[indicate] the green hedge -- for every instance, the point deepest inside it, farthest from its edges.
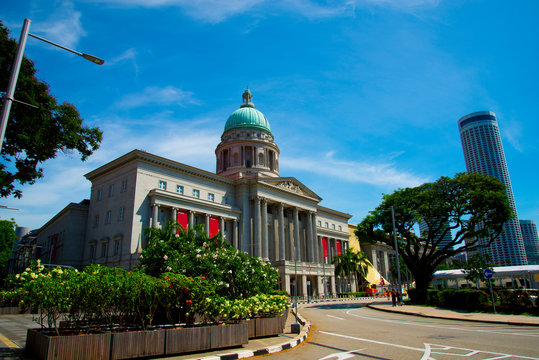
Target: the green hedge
(465, 299)
(352, 294)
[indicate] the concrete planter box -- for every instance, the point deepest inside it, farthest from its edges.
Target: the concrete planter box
(262, 327)
(129, 345)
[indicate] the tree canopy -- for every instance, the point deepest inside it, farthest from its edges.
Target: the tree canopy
(36, 135)
(471, 207)
(7, 239)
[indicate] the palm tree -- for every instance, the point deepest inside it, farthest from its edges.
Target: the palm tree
(351, 263)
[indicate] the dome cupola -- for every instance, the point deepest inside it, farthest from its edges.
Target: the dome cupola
(247, 117)
(247, 149)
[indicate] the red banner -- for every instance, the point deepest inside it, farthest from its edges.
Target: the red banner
(214, 226)
(325, 246)
(181, 218)
(338, 247)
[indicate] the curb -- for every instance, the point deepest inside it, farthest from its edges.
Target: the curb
(242, 354)
(373, 306)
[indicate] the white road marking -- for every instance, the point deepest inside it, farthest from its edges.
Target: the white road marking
(449, 327)
(437, 349)
(341, 355)
(336, 317)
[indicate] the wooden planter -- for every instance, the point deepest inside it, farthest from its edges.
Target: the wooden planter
(206, 338)
(128, 345)
(261, 327)
(68, 347)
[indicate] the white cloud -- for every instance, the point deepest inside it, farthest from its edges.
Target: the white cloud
(129, 55)
(215, 11)
(63, 26)
(512, 131)
(378, 174)
(154, 95)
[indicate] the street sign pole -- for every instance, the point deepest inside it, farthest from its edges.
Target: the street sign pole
(488, 275)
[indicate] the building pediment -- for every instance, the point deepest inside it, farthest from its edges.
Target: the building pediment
(291, 185)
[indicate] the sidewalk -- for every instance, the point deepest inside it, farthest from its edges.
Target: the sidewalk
(13, 338)
(433, 312)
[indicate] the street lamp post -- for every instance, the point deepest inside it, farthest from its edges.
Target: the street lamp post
(8, 98)
(396, 252)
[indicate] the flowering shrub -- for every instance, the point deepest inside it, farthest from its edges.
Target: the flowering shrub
(190, 252)
(100, 297)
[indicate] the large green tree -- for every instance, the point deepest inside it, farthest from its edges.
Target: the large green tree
(36, 135)
(7, 239)
(472, 207)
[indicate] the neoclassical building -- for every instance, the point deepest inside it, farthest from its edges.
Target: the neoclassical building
(276, 218)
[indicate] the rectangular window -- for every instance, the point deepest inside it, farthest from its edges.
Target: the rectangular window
(116, 247)
(124, 185)
(162, 185)
(333, 226)
(121, 214)
(179, 189)
(96, 221)
(211, 197)
(111, 190)
(340, 228)
(320, 223)
(196, 193)
(108, 217)
(103, 249)
(99, 195)
(327, 226)
(92, 251)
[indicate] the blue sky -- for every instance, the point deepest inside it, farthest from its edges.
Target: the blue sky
(363, 96)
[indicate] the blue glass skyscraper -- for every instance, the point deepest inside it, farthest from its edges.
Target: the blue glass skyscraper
(483, 154)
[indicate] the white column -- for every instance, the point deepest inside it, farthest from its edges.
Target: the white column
(246, 224)
(191, 219)
(282, 251)
(286, 283)
(235, 234)
(333, 289)
(155, 212)
(310, 239)
(304, 285)
(257, 238)
(315, 238)
(265, 244)
(174, 214)
(222, 227)
(296, 235)
(207, 224)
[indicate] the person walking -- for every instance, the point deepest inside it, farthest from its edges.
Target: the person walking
(393, 297)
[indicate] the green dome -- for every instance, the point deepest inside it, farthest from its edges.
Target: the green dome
(247, 117)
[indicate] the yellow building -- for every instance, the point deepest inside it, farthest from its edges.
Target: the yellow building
(374, 253)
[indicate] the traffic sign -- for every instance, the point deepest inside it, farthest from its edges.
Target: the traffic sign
(488, 273)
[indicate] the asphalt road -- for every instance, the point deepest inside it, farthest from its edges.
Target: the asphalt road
(351, 331)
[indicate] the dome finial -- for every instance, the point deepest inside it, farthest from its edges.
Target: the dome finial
(247, 98)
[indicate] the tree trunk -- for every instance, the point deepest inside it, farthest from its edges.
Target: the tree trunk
(422, 281)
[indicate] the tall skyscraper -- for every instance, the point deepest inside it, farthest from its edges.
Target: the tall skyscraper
(531, 241)
(441, 242)
(483, 154)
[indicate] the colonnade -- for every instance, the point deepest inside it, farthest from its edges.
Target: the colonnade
(191, 215)
(278, 233)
